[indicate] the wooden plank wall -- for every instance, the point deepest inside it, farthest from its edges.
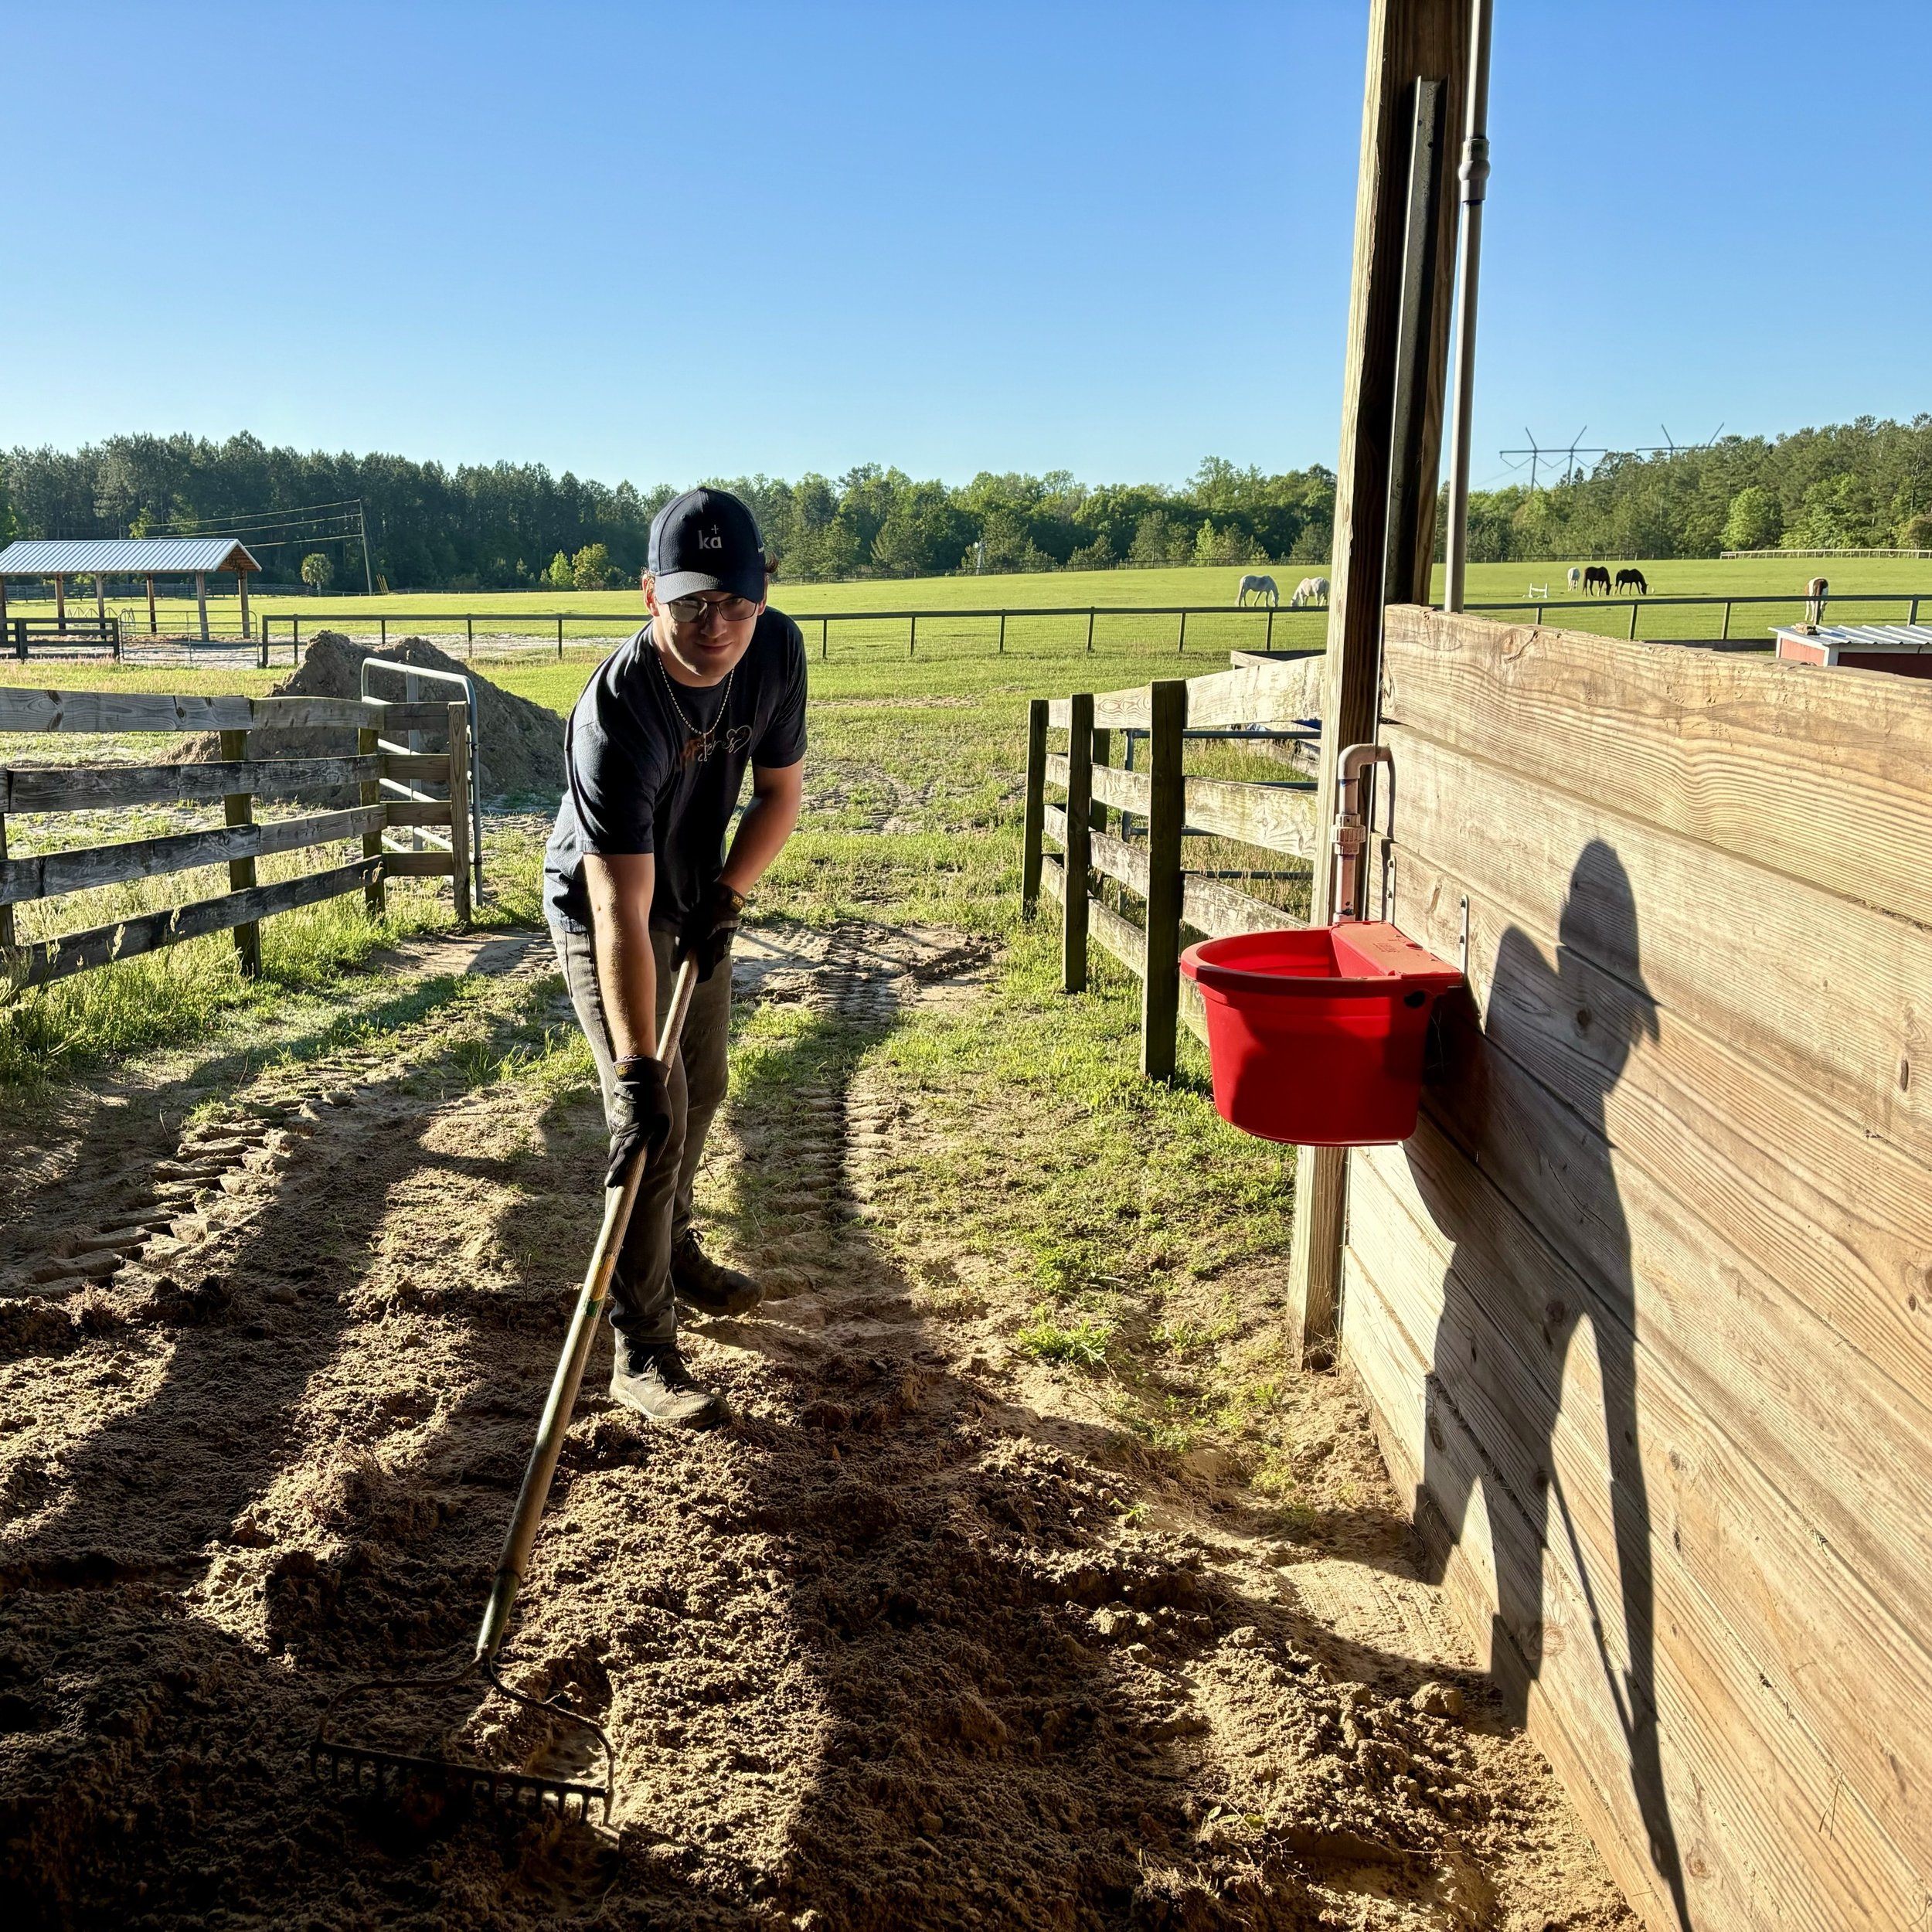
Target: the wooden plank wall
(1644, 1311)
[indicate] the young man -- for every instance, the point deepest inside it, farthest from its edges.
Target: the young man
(637, 879)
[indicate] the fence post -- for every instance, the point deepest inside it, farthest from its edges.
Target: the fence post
(1636, 604)
(6, 912)
(1182, 645)
(1034, 822)
(381, 625)
(1726, 632)
(559, 639)
(469, 632)
(1267, 643)
(459, 808)
(824, 638)
(1090, 631)
(1912, 617)
(238, 809)
(374, 895)
(1002, 631)
(1080, 799)
(1103, 755)
(1167, 810)
(912, 638)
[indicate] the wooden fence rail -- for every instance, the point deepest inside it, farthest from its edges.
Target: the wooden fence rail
(1263, 708)
(237, 781)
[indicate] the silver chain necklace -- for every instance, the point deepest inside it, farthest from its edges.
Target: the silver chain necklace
(698, 745)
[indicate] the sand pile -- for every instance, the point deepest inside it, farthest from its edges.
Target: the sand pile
(520, 744)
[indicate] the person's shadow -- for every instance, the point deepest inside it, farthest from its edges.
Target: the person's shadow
(1526, 1092)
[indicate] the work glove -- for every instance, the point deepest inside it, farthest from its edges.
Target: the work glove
(640, 1114)
(709, 928)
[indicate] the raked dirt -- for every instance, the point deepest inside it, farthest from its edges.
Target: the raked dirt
(918, 1642)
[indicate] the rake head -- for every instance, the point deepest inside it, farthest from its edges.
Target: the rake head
(355, 1768)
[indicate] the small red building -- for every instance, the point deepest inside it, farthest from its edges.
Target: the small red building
(1903, 649)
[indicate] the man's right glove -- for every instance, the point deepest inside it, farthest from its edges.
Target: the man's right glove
(640, 1113)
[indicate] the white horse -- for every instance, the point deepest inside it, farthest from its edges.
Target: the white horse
(1261, 589)
(1576, 577)
(1309, 590)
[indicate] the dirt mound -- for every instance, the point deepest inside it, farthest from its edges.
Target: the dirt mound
(519, 744)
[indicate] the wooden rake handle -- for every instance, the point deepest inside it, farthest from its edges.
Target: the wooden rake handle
(618, 1201)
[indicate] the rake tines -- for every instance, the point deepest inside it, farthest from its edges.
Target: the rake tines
(365, 1771)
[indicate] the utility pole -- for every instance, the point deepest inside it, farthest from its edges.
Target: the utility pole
(362, 530)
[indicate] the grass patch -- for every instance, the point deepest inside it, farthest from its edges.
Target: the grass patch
(1082, 1344)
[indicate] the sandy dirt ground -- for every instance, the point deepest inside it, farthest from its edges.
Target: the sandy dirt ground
(919, 1641)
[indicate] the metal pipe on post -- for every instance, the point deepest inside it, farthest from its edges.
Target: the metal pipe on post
(1474, 173)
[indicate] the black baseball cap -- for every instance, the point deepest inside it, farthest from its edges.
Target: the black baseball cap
(707, 540)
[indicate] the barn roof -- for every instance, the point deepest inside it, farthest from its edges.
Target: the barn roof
(1860, 636)
(125, 556)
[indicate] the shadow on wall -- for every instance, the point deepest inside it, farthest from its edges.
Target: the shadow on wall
(1507, 1329)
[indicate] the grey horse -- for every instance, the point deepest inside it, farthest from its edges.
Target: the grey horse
(1262, 590)
(1310, 590)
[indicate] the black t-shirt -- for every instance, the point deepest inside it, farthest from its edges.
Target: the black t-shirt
(635, 782)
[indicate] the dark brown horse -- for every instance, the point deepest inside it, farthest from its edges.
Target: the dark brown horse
(1632, 580)
(1596, 578)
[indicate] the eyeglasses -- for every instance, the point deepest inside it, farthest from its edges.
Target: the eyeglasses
(695, 610)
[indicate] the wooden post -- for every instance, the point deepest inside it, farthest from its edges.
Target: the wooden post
(1267, 643)
(241, 590)
(238, 809)
(1167, 809)
(1090, 631)
(100, 597)
(60, 601)
(6, 912)
(1180, 649)
(381, 631)
(1033, 824)
(3, 616)
(201, 600)
(559, 639)
(912, 638)
(1636, 604)
(1409, 40)
(459, 808)
(1002, 634)
(1079, 798)
(469, 634)
(824, 638)
(1103, 755)
(154, 624)
(374, 895)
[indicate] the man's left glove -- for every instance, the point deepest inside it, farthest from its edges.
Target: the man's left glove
(709, 928)
(640, 1114)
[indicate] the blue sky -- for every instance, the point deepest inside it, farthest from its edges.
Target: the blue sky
(662, 242)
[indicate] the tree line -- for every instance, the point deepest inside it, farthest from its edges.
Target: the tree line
(512, 527)
(1866, 484)
(1851, 486)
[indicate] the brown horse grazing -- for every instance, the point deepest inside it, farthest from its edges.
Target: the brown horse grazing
(1632, 580)
(1596, 578)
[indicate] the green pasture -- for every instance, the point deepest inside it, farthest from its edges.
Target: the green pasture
(960, 629)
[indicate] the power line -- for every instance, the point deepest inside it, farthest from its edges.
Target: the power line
(1538, 454)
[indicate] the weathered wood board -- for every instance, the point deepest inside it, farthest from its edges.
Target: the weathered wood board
(1644, 1311)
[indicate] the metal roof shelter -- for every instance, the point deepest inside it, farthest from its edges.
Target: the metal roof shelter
(1905, 649)
(144, 557)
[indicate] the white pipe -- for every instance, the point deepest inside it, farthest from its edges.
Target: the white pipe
(1474, 173)
(1351, 830)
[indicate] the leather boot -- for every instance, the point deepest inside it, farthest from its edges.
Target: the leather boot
(704, 1284)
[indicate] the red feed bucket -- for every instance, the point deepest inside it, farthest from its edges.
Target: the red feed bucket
(1316, 1035)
